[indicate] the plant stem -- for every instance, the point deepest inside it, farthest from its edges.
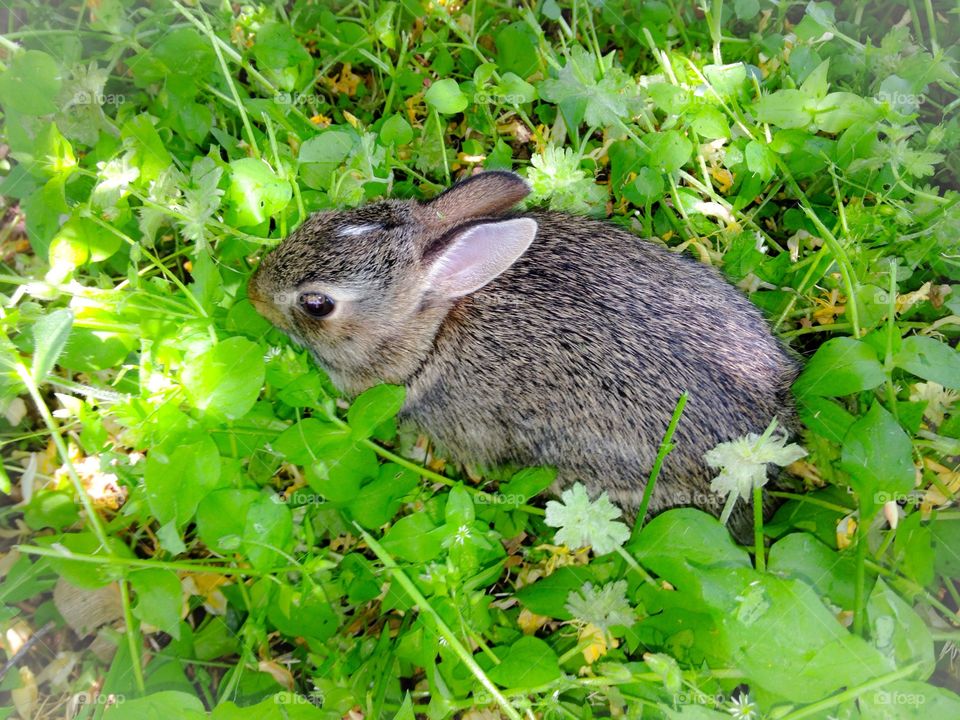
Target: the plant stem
(427, 609)
(148, 563)
(860, 579)
(758, 529)
(628, 558)
(666, 445)
(133, 636)
(853, 693)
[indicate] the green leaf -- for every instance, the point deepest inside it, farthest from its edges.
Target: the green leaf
(930, 359)
(760, 159)
(50, 334)
(526, 483)
(149, 153)
(825, 417)
(677, 541)
(296, 444)
(816, 658)
(528, 663)
(802, 557)
(445, 97)
(669, 150)
(709, 122)
(647, 187)
(727, 80)
(840, 366)
(384, 25)
(278, 48)
(838, 111)
(395, 131)
(222, 517)
(514, 90)
(80, 241)
(303, 613)
(898, 632)
(605, 98)
(373, 407)
(413, 538)
(878, 455)
(322, 154)
(159, 599)
(54, 154)
(164, 704)
(268, 532)
(379, 500)
(175, 482)
(746, 9)
(784, 108)
(459, 508)
(815, 85)
(225, 381)
(85, 574)
(92, 350)
(548, 596)
(255, 193)
(31, 83)
(406, 709)
(180, 60)
(50, 508)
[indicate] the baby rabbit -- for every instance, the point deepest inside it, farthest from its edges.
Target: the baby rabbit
(534, 338)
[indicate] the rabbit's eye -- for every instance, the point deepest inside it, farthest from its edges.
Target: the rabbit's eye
(315, 305)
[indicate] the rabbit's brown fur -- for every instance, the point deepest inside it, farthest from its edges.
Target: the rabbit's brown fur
(573, 356)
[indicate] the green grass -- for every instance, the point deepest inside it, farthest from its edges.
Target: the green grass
(257, 548)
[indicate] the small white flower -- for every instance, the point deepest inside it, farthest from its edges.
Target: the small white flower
(938, 399)
(742, 707)
(743, 463)
(463, 533)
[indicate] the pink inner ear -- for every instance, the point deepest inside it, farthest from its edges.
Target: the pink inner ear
(479, 254)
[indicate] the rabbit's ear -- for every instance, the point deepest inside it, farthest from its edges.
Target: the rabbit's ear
(483, 194)
(476, 255)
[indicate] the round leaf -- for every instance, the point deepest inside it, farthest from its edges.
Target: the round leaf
(176, 482)
(930, 359)
(31, 83)
(375, 406)
(669, 151)
(840, 366)
(255, 192)
(445, 97)
(268, 533)
(159, 599)
(396, 131)
(225, 380)
(879, 457)
(529, 663)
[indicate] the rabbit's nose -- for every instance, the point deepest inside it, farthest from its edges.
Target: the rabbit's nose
(263, 304)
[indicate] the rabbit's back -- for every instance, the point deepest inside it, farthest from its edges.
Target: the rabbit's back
(576, 355)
